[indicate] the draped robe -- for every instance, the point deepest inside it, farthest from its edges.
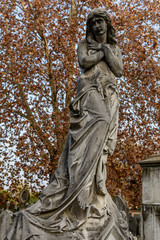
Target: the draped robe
(77, 190)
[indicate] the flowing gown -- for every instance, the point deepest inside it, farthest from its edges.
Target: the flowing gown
(77, 190)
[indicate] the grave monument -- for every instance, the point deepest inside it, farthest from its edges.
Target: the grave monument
(150, 198)
(76, 204)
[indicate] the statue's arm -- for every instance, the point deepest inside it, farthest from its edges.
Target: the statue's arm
(114, 60)
(87, 61)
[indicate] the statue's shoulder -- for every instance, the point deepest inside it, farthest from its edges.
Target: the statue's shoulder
(82, 44)
(118, 51)
(83, 41)
(117, 48)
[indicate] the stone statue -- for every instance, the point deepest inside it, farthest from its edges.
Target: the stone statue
(76, 204)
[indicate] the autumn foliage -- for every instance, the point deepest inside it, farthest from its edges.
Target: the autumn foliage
(39, 72)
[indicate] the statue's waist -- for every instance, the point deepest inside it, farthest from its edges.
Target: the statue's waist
(100, 67)
(97, 74)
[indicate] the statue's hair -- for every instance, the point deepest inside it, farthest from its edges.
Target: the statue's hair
(100, 12)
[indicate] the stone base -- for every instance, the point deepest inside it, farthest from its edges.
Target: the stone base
(112, 232)
(112, 226)
(103, 222)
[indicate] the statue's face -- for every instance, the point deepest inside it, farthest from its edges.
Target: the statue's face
(99, 26)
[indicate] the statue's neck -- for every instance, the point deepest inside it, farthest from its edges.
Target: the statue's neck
(101, 38)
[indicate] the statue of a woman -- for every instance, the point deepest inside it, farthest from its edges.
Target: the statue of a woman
(77, 192)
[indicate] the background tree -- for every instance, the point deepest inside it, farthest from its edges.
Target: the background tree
(39, 72)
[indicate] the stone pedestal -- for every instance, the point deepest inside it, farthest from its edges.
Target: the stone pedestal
(150, 198)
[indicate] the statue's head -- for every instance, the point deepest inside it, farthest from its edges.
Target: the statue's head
(99, 13)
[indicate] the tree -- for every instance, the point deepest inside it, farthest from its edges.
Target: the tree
(39, 73)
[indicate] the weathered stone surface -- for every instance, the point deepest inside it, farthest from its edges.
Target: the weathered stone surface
(6, 219)
(151, 198)
(76, 204)
(122, 205)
